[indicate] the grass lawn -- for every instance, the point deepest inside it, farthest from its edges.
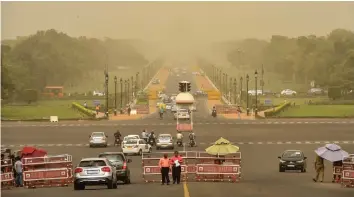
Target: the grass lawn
(319, 111)
(298, 101)
(42, 109)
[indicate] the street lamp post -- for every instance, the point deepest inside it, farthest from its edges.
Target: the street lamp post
(106, 82)
(235, 90)
(132, 92)
(121, 95)
(220, 78)
(241, 89)
(115, 95)
(262, 81)
(247, 95)
(125, 91)
(225, 86)
(128, 92)
(256, 78)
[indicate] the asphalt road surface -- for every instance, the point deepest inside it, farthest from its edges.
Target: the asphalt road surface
(260, 143)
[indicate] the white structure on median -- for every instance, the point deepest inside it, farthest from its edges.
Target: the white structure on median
(185, 100)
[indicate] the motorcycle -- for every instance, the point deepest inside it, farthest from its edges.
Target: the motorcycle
(180, 143)
(213, 113)
(118, 142)
(192, 143)
(151, 141)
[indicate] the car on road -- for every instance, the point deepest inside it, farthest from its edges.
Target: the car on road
(136, 147)
(174, 108)
(253, 92)
(156, 81)
(165, 141)
(130, 137)
(292, 160)
(98, 139)
(288, 92)
(182, 114)
(95, 171)
(316, 91)
(120, 162)
(168, 106)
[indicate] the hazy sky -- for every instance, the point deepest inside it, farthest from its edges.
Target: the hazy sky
(197, 21)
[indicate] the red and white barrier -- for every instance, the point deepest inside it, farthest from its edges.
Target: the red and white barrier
(348, 171)
(197, 166)
(47, 171)
(7, 175)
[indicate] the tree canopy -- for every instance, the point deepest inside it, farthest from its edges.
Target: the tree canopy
(329, 60)
(52, 58)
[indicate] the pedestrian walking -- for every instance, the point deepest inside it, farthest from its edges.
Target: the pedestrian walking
(239, 111)
(18, 168)
(176, 162)
(129, 110)
(319, 167)
(165, 165)
(97, 109)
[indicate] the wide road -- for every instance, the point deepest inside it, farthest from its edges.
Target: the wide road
(260, 142)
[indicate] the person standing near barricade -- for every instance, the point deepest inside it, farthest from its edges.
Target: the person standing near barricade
(176, 162)
(319, 166)
(18, 168)
(165, 165)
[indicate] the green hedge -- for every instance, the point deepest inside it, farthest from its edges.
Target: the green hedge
(333, 102)
(83, 110)
(276, 110)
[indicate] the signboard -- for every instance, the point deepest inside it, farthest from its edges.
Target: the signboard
(268, 102)
(348, 174)
(45, 174)
(96, 102)
(217, 169)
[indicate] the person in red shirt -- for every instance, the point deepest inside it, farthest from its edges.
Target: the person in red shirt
(176, 163)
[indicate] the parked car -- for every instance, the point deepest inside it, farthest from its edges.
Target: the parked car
(182, 114)
(95, 171)
(98, 139)
(165, 141)
(288, 92)
(253, 92)
(120, 162)
(136, 147)
(292, 160)
(97, 93)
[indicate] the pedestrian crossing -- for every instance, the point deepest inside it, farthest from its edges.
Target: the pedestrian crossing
(349, 142)
(235, 122)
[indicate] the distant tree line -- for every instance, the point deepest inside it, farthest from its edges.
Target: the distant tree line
(328, 60)
(52, 58)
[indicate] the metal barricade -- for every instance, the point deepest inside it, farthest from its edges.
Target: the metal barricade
(337, 172)
(218, 168)
(7, 174)
(47, 171)
(197, 166)
(348, 171)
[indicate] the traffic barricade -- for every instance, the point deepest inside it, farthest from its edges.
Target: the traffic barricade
(218, 168)
(7, 174)
(348, 171)
(337, 172)
(48, 171)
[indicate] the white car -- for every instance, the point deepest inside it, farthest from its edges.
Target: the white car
(168, 106)
(182, 114)
(130, 137)
(174, 109)
(253, 92)
(288, 92)
(97, 93)
(98, 139)
(136, 147)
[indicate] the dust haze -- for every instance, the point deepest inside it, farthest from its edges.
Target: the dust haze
(177, 28)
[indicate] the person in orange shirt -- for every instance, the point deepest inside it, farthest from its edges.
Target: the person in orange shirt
(165, 165)
(176, 163)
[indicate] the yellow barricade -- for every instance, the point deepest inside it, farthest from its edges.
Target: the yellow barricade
(213, 93)
(217, 97)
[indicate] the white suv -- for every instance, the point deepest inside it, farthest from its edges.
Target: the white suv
(136, 147)
(95, 171)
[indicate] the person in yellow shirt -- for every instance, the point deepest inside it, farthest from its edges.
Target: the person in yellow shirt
(165, 166)
(319, 166)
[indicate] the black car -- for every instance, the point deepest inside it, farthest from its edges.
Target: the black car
(292, 160)
(119, 160)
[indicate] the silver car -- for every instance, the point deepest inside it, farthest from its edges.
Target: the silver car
(95, 171)
(98, 139)
(165, 141)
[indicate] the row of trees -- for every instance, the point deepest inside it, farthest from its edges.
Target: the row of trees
(53, 58)
(329, 60)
